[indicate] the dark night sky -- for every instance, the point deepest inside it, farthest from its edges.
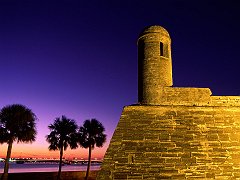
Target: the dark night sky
(79, 58)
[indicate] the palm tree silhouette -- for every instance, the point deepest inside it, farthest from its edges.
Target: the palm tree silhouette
(63, 134)
(17, 123)
(91, 134)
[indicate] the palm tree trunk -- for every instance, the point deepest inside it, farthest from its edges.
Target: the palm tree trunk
(60, 164)
(6, 165)
(89, 162)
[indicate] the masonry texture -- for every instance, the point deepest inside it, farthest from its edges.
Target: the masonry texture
(174, 132)
(154, 63)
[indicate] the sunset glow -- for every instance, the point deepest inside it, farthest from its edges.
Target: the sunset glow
(36, 150)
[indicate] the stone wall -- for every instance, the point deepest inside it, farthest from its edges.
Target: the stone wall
(177, 142)
(225, 100)
(191, 96)
(174, 132)
(154, 63)
(183, 96)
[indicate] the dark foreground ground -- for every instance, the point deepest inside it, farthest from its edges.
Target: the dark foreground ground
(71, 175)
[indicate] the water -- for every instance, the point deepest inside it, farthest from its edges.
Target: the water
(45, 167)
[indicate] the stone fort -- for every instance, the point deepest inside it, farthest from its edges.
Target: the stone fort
(172, 132)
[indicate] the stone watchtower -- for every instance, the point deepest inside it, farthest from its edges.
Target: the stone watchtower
(173, 132)
(154, 64)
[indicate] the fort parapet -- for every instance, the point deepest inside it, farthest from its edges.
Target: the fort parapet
(192, 97)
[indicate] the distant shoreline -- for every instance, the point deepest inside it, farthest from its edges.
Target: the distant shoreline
(46, 167)
(66, 175)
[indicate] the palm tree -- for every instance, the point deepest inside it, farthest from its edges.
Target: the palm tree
(63, 134)
(17, 123)
(91, 134)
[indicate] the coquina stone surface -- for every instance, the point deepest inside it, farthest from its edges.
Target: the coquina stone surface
(173, 132)
(175, 141)
(154, 63)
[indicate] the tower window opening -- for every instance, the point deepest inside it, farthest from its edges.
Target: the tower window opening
(131, 158)
(161, 49)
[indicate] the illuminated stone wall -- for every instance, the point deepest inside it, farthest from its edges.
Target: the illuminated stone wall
(176, 141)
(173, 132)
(225, 100)
(154, 64)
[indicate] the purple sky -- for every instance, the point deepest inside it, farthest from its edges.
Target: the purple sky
(79, 58)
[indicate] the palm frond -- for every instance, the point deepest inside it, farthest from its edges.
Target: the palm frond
(91, 134)
(18, 122)
(63, 133)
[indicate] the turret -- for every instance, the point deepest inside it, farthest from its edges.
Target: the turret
(154, 64)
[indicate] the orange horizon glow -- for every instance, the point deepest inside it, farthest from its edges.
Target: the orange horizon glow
(36, 150)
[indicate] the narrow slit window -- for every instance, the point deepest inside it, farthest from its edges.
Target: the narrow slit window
(131, 158)
(161, 49)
